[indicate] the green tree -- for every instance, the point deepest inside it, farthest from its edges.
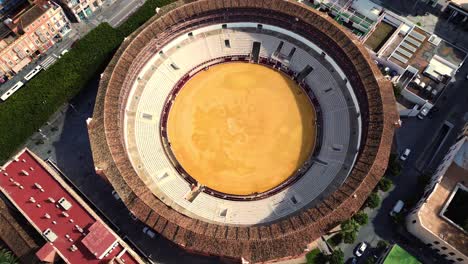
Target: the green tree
(350, 237)
(370, 260)
(394, 166)
(382, 244)
(335, 240)
(349, 229)
(6, 257)
(385, 184)
(336, 257)
(373, 201)
(349, 225)
(361, 218)
(396, 90)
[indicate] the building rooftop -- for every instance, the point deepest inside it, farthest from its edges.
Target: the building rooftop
(461, 3)
(430, 213)
(30, 15)
(37, 192)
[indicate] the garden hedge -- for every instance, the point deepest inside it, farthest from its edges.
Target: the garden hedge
(30, 107)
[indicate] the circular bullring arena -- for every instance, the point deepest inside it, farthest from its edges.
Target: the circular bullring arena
(242, 129)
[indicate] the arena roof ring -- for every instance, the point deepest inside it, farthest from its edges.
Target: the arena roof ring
(348, 136)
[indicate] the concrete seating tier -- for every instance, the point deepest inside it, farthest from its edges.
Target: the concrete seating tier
(195, 53)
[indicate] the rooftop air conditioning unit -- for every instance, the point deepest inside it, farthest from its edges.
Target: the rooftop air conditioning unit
(435, 40)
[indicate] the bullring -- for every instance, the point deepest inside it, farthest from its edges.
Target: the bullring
(355, 121)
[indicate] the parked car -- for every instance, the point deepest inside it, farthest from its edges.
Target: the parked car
(423, 113)
(397, 208)
(360, 249)
(116, 196)
(132, 216)
(405, 154)
(149, 232)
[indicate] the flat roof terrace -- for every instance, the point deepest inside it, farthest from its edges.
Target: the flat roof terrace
(430, 213)
(418, 47)
(39, 194)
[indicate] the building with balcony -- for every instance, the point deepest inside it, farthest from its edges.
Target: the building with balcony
(80, 9)
(29, 34)
(439, 219)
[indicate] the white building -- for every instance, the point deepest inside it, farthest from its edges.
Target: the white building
(81, 9)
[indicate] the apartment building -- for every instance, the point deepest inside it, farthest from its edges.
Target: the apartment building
(28, 34)
(439, 219)
(80, 9)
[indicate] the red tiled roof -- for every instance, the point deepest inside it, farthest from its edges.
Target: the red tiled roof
(99, 239)
(47, 253)
(35, 192)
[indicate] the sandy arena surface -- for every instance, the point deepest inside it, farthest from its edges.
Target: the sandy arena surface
(241, 128)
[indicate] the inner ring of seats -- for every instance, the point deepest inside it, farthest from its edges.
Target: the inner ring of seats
(170, 183)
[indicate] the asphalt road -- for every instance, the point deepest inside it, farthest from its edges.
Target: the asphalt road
(418, 135)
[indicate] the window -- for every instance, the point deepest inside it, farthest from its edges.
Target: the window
(444, 256)
(227, 43)
(190, 34)
(436, 242)
(451, 253)
(444, 248)
(224, 26)
(459, 259)
(37, 42)
(428, 244)
(414, 221)
(259, 26)
(174, 66)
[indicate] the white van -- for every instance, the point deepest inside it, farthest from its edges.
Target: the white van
(397, 208)
(11, 91)
(33, 73)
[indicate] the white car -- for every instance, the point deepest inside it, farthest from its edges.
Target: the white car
(423, 113)
(397, 208)
(405, 154)
(360, 249)
(149, 232)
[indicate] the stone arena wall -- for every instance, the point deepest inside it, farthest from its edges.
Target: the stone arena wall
(289, 236)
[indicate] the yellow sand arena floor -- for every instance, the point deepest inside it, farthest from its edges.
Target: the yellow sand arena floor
(241, 128)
